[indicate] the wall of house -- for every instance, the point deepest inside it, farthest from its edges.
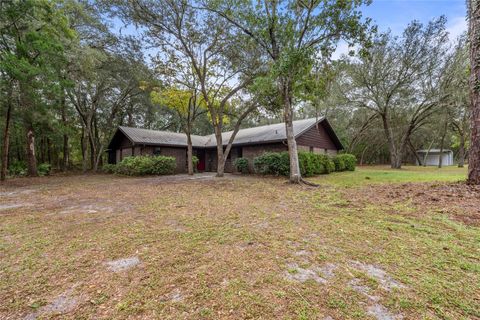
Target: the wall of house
(251, 152)
(317, 140)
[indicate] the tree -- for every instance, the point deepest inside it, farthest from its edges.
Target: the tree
(31, 48)
(474, 40)
(292, 35)
(188, 105)
(402, 81)
(223, 62)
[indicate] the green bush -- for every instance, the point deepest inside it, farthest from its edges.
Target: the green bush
(349, 160)
(339, 163)
(17, 168)
(44, 169)
(314, 164)
(108, 168)
(241, 165)
(146, 165)
(276, 163)
(195, 161)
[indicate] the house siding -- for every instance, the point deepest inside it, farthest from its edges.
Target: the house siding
(251, 152)
(318, 139)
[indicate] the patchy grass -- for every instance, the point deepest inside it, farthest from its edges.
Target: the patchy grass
(383, 174)
(239, 247)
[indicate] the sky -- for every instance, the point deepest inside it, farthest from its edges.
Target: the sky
(395, 15)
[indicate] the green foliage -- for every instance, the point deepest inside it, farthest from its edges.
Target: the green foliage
(276, 163)
(241, 164)
(146, 165)
(108, 168)
(44, 169)
(339, 163)
(17, 169)
(349, 160)
(345, 162)
(195, 162)
(312, 164)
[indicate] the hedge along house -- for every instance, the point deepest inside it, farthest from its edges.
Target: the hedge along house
(312, 135)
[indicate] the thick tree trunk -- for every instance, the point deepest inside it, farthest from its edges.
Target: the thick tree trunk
(84, 151)
(461, 152)
(31, 158)
(66, 151)
(474, 36)
(220, 155)
(6, 140)
(295, 174)
(189, 154)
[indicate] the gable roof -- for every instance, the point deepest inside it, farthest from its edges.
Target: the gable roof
(262, 134)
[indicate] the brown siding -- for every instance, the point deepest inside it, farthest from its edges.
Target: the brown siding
(318, 139)
(251, 152)
(180, 154)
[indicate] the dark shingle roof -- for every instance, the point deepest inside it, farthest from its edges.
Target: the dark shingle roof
(146, 136)
(262, 134)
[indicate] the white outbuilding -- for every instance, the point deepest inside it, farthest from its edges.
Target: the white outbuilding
(432, 157)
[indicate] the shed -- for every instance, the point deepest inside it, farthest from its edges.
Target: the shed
(432, 157)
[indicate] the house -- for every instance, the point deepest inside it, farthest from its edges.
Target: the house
(432, 157)
(313, 135)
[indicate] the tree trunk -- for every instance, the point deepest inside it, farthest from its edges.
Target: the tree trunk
(461, 151)
(6, 137)
(31, 158)
(442, 143)
(295, 174)
(474, 36)
(66, 152)
(220, 155)
(84, 151)
(189, 154)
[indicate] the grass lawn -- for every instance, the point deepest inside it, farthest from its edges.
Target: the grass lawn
(371, 244)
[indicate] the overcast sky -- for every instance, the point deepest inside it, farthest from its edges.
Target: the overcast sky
(395, 15)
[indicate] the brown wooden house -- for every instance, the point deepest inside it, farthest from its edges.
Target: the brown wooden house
(311, 135)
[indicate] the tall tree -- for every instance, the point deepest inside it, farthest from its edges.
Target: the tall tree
(188, 104)
(223, 61)
(402, 81)
(474, 39)
(31, 47)
(292, 35)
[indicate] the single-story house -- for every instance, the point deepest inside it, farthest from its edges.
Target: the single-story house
(432, 157)
(314, 135)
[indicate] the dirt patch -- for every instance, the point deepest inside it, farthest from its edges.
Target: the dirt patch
(122, 264)
(13, 206)
(318, 274)
(357, 286)
(175, 295)
(64, 303)
(459, 201)
(379, 312)
(386, 281)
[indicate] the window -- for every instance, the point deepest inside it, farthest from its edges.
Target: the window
(311, 149)
(240, 152)
(156, 151)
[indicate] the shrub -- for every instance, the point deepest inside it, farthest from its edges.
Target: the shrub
(349, 160)
(145, 165)
(279, 163)
(314, 164)
(195, 161)
(339, 163)
(241, 165)
(276, 163)
(17, 168)
(44, 169)
(108, 168)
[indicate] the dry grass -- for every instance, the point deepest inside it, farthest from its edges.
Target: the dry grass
(232, 248)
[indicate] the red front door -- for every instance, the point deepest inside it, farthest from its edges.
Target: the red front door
(201, 160)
